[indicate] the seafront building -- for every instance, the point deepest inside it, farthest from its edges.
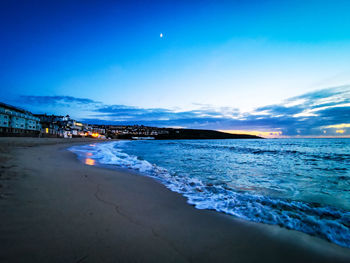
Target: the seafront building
(18, 122)
(62, 126)
(50, 125)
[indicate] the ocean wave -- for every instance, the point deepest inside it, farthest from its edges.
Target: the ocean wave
(312, 218)
(257, 151)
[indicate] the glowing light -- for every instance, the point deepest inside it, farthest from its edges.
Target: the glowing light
(89, 161)
(161, 35)
(47, 130)
(340, 131)
(95, 135)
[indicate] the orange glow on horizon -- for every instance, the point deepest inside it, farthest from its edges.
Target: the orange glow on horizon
(265, 134)
(340, 134)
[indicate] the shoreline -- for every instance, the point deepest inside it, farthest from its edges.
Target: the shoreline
(58, 209)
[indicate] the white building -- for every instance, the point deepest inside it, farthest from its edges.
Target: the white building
(14, 120)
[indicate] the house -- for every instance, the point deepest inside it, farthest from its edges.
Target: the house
(50, 125)
(62, 126)
(15, 121)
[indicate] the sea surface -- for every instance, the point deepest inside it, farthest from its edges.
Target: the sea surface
(300, 184)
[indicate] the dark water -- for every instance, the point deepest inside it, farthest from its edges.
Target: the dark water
(301, 184)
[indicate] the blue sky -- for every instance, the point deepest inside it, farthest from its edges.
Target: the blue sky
(217, 66)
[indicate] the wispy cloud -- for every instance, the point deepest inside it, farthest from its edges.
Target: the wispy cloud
(55, 100)
(317, 113)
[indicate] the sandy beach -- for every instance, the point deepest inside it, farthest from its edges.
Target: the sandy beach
(55, 208)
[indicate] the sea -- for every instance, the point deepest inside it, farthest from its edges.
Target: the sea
(299, 184)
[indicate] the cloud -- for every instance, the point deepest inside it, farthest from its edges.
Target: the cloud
(312, 114)
(342, 125)
(55, 100)
(159, 115)
(306, 114)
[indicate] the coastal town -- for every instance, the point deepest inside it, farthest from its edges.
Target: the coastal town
(15, 121)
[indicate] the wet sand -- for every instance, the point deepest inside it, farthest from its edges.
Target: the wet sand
(54, 208)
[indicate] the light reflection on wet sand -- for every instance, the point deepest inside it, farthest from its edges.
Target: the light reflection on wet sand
(89, 161)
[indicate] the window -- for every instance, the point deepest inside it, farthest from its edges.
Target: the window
(5, 116)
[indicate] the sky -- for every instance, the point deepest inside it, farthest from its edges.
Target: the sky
(274, 68)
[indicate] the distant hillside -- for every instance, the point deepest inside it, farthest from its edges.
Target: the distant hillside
(202, 134)
(179, 134)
